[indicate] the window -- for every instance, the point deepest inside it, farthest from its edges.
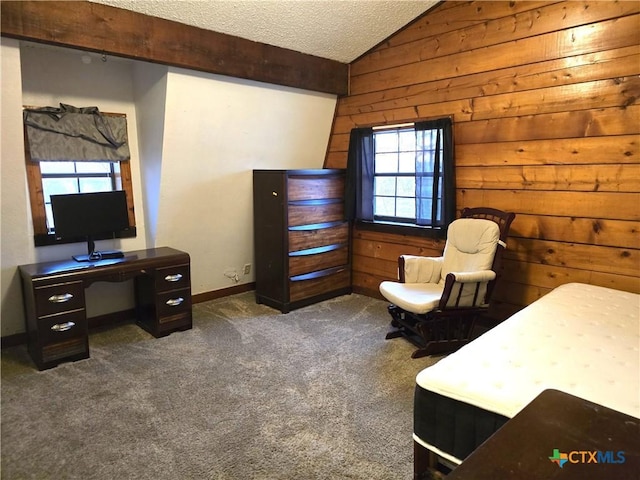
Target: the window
(76, 177)
(52, 177)
(402, 176)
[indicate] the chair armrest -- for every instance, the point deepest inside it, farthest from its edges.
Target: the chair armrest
(477, 277)
(417, 269)
(466, 289)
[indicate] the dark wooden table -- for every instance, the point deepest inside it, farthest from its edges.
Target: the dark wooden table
(558, 428)
(56, 316)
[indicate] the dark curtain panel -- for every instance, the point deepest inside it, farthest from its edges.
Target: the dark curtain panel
(435, 182)
(359, 181)
(69, 133)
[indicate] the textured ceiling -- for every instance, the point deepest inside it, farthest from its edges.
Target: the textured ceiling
(340, 30)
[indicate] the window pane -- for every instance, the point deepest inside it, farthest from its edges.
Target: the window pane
(407, 187)
(58, 186)
(425, 207)
(386, 163)
(404, 157)
(384, 206)
(57, 167)
(385, 186)
(93, 167)
(49, 216)
(425, 186)
(407, 140)
(89, 185)
(406, 208)
(386, 141)
(407, 162)
(426, 140)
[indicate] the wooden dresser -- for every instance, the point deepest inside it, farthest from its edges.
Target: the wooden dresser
(302, 253)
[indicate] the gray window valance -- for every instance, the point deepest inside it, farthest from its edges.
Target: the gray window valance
(75, 134)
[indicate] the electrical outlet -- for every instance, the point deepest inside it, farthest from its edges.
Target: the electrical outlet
(247, 269)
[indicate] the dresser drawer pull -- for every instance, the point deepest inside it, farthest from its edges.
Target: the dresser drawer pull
(63, 327)
(64, 297)
(174, 302)
(173, 278)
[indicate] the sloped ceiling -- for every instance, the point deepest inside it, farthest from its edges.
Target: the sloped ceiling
(340, 30)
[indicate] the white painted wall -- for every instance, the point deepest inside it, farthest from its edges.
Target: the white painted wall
(217, 130)
(16, 231)
(150, 90)
(195, 139)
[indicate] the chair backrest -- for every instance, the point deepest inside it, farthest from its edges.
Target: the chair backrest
(503, 220)
(471, 246)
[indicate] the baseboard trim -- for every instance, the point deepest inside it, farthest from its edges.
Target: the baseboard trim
(13, 340)
(223, 292)
(367, 292)
(129, 315)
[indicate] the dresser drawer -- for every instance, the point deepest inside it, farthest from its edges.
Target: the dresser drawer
(61, 328)
(299, 289)
(172, 278)
(58, 298)
(318, 237)
(309, 188)
(305, 263)
(306, 214)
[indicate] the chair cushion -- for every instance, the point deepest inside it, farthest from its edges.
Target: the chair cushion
(413, 297)
(418, 269)
(471, 245)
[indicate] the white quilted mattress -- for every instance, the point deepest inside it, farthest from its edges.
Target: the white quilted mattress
(578, 338)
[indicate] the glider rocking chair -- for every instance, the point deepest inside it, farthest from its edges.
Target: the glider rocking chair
(437, 300)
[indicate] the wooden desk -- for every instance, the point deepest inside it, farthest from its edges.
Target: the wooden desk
(54, 299)
(555, 420)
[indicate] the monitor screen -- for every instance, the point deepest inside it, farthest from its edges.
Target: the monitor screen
(89, 214)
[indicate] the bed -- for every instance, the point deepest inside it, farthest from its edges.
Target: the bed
(580, 339)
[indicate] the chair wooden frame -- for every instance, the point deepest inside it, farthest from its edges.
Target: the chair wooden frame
(449, 326)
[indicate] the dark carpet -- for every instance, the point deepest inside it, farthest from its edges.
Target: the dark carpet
(248, 393)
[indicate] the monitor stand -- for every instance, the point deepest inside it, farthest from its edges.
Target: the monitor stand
(93, 256)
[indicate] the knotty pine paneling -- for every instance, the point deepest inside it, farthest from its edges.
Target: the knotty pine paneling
(596, 151)
(544, 97)
(611, 34)
(564, 71)
(588, 178)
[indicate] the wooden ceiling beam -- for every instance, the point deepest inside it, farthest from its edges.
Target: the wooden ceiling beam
(114, 31)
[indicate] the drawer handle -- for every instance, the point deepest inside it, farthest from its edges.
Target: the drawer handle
(63, 327)
(174, 302)
(64, 297)
(173, 278)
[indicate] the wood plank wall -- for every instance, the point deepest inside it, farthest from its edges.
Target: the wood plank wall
(544, 97)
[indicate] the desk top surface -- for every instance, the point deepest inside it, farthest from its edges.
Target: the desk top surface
(558, 428)
(68, 267)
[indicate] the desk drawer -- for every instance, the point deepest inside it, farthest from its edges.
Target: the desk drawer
(58, 298)
(60, 328)
(173, 302)
(172, 278)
